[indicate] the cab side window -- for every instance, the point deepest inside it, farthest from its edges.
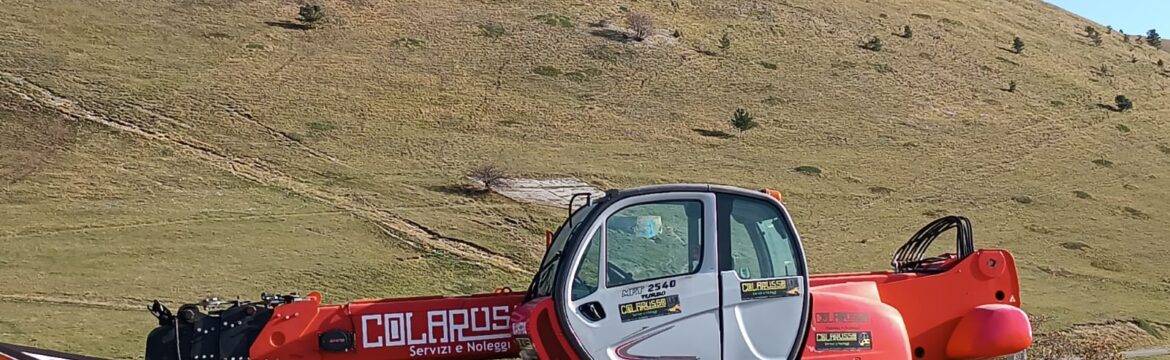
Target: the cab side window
(586, 279)
(761, 244)
(653, 240)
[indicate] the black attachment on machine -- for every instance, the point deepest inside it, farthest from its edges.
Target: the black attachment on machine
(911, 257)
(211, 329)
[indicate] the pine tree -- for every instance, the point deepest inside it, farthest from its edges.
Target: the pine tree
(742, 120)
(1017, 45)
(310, 14)
(1123, 103)
(1153, 38)
(725, 42)
(874, 44)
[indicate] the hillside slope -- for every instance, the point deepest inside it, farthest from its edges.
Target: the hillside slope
(175, 149)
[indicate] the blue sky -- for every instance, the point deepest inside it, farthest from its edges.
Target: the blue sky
(1133, 16)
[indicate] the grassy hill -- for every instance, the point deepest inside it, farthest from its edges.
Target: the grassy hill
(176, 149)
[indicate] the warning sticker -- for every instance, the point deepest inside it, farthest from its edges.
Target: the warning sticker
(650, 308)
(763, 289)
(841, 341)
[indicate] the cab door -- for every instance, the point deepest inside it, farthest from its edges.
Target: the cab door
(646, 284)
(764, 279)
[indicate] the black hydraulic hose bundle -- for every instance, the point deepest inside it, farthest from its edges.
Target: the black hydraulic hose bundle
(911, 256)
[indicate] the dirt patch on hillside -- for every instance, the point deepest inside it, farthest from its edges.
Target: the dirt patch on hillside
(549, 192)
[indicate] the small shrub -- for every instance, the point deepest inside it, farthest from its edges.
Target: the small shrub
(725, 42)
(1011, 86)
(1103, 163)
(1164, 149)
(1153, 38)
(546, 71)
(488, 174)
(1075, 245)
(408, 43)
(906, 32)
(768, 65)
(1093, 35)
(310, 14)
(294, 136)
(1123, 103)
(321, 126)
(1017, 45)
(1122, 128)
(582, 75)
(1109, 29)
(1082, 195)
(874, 44)
(1135, 213)
(808, 170)
(742, 120)
(555, 20)
(880, 190)
(1161, 63)
(883, 68)
(641, 24)
(492, 30)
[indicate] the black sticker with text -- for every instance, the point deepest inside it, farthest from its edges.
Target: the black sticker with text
(646, 309)
(841, 341)
(763, 289)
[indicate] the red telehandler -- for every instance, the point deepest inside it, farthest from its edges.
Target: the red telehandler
(663, 272)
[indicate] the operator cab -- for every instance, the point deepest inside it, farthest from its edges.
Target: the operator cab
(678, 271)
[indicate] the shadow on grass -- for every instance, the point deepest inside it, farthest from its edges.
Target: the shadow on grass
(713, 133)
(611, 35)
(460, 190)
(284, 24)
(1108, 107)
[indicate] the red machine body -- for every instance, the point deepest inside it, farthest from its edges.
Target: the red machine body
(437, 327)
(969, 311)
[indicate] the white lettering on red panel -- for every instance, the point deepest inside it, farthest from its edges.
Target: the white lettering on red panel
(439, 332)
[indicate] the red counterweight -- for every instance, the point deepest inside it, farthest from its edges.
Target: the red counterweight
(437, 327)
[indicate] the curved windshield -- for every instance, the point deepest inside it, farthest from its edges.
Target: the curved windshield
(543, 281)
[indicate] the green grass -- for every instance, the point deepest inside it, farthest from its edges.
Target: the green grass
(95, 214)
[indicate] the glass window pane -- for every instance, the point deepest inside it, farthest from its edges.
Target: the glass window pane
(586, 279)
(761, 246)
(653, 240)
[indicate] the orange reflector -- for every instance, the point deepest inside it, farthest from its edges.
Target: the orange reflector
(774, 194)
(548, 238)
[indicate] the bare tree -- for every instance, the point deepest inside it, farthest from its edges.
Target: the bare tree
(641, 24)
(488, 174)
